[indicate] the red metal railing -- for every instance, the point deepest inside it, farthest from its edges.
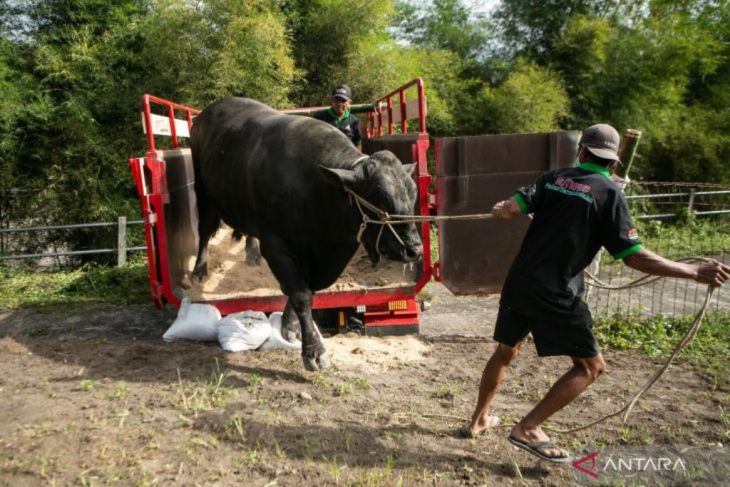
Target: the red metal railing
(375, 119)
(170, 107)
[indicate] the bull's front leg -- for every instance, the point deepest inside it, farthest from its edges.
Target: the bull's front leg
(314, 354)
(283, 261)
(290, 329)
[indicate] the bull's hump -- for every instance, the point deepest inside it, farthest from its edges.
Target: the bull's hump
(242, 107)
(321, 140)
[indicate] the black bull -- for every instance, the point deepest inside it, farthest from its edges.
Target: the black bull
(280, 178)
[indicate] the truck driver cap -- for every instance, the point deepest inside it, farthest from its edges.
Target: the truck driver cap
(602, 141)
(342, 91)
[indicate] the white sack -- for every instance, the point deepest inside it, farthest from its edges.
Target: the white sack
(243, 331)
(276, 340)
(194, 322)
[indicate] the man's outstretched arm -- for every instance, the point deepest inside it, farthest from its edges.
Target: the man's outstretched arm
(714, 273)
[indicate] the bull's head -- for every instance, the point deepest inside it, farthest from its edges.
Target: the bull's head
(386, 183)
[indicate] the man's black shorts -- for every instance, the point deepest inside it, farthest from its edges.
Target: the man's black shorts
(572, 339)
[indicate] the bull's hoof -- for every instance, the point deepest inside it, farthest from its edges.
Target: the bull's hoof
(310, 364)
(319, 362)
(253, 261)
(199, 276)
(324, 361)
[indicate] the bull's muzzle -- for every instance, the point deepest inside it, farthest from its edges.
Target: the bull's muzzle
(412, 253)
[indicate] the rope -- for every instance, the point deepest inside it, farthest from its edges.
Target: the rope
(626, 409)
(642, 281)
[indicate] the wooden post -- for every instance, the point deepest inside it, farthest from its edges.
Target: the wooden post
(628, 151)
(690, 205)
(121, 241)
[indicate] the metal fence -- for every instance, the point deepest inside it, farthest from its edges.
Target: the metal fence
(121, 249)
(678, 200)
(675, 220)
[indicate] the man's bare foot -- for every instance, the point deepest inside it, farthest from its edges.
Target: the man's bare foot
(535, 441)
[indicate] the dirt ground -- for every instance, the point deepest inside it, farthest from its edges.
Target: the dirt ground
(93, 396)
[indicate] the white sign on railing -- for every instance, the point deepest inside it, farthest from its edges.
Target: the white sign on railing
(161, 126)
(411, 111)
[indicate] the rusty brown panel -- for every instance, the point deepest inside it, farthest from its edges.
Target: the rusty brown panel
(181, 214)
(398, 144)
(475, 172)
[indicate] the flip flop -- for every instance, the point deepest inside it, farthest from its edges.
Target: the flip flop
(466, 432)
(535, 448)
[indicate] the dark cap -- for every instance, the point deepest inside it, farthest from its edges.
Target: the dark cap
(602, 141)
(342, 91)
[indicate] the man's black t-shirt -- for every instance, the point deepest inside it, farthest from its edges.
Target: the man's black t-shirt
(576, 211)
(348, 123)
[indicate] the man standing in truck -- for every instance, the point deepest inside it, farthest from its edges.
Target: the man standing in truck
(338, 114)
(576, 211)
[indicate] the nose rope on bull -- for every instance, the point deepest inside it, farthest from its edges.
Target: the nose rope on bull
(387, 220)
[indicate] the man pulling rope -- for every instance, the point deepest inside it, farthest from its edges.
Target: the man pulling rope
(576, 211)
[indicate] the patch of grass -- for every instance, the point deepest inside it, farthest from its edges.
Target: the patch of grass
(347, 440)
(343, 389)
(120, 393)
(448, 391)
(253, 382)
(86, 385)
(361, 383)
(335, 468)
(319, 380)
(63, 289)
(204, 396)
(389, 463)
(657, 336)
(235, 431)
(724, 434)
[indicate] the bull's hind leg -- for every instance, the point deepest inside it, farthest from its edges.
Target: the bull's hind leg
(208, 222)
(253, 251)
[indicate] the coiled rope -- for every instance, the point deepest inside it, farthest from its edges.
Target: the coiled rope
(686, 339)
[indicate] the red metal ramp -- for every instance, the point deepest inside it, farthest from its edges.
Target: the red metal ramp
(472, 174)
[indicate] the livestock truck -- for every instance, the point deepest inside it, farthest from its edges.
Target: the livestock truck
(471, 174)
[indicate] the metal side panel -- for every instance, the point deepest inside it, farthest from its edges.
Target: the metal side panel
(181, 214)
(472, 174)
(398, 144)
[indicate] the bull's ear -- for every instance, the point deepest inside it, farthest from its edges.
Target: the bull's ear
(338, 177)
(409, 168)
